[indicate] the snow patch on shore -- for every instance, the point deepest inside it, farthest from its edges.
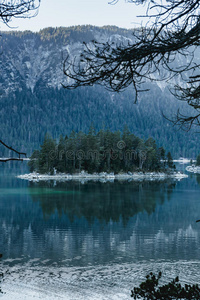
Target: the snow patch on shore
(103, 176)
(109, 282)
(193, 169)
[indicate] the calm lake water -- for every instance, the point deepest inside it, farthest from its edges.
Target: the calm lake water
(95, 240)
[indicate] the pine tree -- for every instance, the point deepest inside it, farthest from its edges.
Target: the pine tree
(33, 162)
(61, 158)
(48, 155)
(169, 160)
(198, 160)
(71, 152)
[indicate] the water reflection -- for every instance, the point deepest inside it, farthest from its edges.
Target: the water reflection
(89, 239)
(74, 224)
(198, 178)
(101, 201)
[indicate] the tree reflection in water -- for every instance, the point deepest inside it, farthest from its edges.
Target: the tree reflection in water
(109, 201)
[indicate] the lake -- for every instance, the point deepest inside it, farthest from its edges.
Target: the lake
(96, 240)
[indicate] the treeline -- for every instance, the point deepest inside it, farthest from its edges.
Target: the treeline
(31, 114)
(61, 35)
(104, 151)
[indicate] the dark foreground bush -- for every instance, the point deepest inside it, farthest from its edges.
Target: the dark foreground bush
(151, 290)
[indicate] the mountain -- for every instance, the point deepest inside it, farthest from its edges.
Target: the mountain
(33, 101)
(31, 58)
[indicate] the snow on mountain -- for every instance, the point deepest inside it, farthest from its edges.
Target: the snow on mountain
(31, 58)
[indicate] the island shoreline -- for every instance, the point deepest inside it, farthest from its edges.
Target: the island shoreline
(193, 169)
(103, 176)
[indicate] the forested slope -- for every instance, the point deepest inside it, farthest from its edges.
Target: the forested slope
(33, 102)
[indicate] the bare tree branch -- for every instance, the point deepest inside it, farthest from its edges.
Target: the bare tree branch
(18, 9)
(11, 158)
(10, 148)
(152, 54)
(184, 122)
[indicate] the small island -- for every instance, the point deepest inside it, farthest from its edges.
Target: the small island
(194, 167)
(104, 155)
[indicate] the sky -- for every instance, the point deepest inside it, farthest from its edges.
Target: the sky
(78, 12)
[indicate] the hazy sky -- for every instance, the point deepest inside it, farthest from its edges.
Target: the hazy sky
(78, 12)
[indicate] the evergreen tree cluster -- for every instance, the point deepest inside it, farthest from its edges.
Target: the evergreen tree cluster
(150, 289)
(104, 151)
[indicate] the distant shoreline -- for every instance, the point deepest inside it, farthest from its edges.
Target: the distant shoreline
(103, 176)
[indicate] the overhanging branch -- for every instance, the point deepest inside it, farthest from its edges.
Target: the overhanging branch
(14, 150)
(11, 158)
(153, 54)
(18, 9)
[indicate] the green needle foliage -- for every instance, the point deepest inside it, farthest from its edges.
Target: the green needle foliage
(151, 290)
(198, 160)
(104, 151)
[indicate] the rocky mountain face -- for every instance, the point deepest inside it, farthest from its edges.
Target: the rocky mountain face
(33, 101)
(31, 58)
